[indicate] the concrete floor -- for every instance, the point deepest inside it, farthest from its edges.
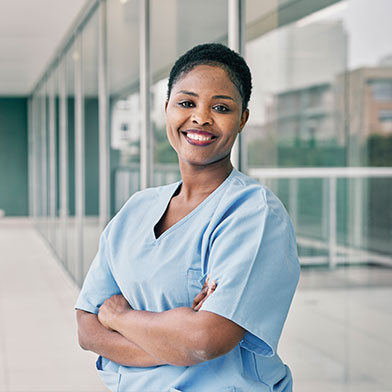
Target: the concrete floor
(337, 337)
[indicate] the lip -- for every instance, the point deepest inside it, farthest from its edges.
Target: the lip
(205, 138)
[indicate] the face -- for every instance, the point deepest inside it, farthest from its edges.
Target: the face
(204, 116)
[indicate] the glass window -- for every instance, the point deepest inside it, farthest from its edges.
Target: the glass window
(72, 57)
(322, 97)
(41, 158)
(91, 228)
(381, 90)
(124, 105)
(54, 101)
(177, 26)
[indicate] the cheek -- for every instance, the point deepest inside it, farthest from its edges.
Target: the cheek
(172, 119)
(232, 126)
(170, 133)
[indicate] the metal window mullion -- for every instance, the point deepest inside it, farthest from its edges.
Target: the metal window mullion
(32, 117)
(30, 141)
(52, 164)
(104, 150)
(36, 157)
(44, 199)
(63, 161)
(79, 161)
(332, 222)
(38, 149)
(146, 140)
(236, 41)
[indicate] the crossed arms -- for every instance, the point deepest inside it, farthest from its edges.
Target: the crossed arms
(182, 336)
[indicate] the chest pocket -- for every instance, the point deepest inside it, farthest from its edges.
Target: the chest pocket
(195, 282)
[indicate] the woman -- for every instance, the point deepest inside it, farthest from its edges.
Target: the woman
(136, 307)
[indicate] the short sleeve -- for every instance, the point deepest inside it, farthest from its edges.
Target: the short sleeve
(99, 283)
(254, 261)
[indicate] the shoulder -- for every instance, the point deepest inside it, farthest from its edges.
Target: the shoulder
(245, 194)
(250, 210)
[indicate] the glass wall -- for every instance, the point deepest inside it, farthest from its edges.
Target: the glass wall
(124, 99)
(176, 26)
(43, 160)
(90, 164)
(319, 135)
(71, 59)
(320, 100)
(297, 54)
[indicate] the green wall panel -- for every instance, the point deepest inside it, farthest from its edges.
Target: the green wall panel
(13, 156)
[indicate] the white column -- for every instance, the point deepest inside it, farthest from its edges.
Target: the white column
(146, 142)
(44, 163)
(104, 143)
(52, 164)
(236, 41)
(79, 159)
(63, 161)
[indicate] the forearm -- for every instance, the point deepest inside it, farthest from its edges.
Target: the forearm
(180, 336)
(93, 336)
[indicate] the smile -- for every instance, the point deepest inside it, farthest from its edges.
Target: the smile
(199, 138)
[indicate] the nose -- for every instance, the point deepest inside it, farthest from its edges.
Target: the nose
(202, 116)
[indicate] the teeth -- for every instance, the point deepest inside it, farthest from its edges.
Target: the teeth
(196, 136)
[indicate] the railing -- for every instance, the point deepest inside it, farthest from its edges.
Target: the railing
(127, 179)
(336, 253)
(126, 182)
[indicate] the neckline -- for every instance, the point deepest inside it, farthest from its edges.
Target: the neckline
(191, 213)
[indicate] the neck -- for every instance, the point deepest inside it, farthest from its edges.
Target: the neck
(199, 181)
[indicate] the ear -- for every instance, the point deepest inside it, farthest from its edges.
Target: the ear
(244, 119)
(166, 103)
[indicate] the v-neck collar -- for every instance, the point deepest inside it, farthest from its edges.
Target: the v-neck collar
(167, 198)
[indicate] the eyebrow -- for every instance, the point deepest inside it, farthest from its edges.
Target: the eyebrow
(196, 95)
(223, 97)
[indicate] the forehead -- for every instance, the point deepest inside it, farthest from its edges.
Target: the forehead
(206, 78)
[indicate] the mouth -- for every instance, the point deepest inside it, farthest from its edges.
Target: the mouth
(198, 138)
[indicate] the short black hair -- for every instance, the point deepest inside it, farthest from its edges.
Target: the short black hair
(218, 55)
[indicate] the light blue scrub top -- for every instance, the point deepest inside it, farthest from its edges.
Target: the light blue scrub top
(242, 237)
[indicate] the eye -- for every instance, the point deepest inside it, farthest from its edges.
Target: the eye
(186, 104)
(221, 108)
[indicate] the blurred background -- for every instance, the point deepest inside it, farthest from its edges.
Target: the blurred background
(82, 127)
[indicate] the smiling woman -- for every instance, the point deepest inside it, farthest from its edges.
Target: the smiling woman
(204, 109)
(192, 282)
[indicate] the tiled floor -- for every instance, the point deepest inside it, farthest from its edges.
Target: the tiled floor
(38, 339)
(338, 333)
(337, 337)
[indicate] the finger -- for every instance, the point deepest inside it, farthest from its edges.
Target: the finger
(211, 288)
(198, 306)
(199, 296)
(206, 282)
(202, 292)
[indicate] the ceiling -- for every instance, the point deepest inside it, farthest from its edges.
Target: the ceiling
(30, 33)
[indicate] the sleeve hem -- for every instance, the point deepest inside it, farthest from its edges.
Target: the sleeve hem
(87, 308)
(258, 343)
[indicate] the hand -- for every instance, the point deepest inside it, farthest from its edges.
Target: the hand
(111, 309)
(207, 289)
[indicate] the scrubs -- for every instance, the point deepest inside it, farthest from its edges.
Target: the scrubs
(242, 237)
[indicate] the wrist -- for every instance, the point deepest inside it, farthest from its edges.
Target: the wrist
(119, 319)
